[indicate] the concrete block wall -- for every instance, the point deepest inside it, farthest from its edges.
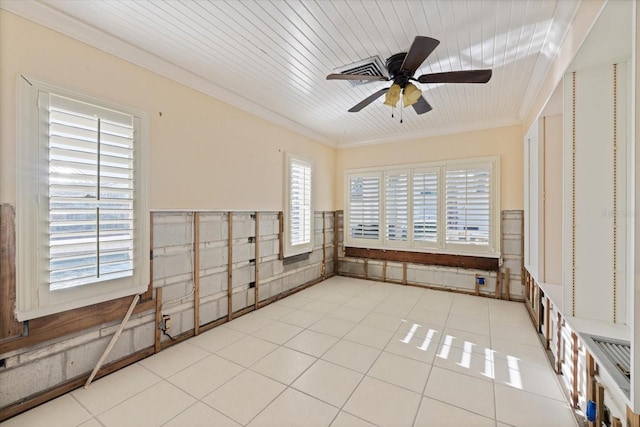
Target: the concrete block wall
(450, 277)
(33, 369)
(30, 370)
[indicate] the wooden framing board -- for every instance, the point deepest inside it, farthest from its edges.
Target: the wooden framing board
(446, 260)
(323, 269)
(292, 291)
(404, 273)
(9, 326)
(256, 289)
(499, 285)
(476, 286)
(559, 344)
(196, 273)
(366, 268)
(547, 322)
(230, 267)
(335, 241)
(591, 382)
(633, 419)
(507, 284)
(574, 369)
(158, 345)
(384, 271)
(60, 324)
(281, 235)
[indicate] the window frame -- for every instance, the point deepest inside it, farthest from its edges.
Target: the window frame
(33, 297)
(441, 246)
(288, 247)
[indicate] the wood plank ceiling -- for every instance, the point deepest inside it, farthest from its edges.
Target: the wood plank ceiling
(271, 57)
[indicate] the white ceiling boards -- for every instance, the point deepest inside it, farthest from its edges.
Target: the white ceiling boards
(271, 57)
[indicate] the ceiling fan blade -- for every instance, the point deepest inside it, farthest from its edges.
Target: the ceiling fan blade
(420, 49)
(368, 100)
(356, 77)
(474, 76)
(422, 106)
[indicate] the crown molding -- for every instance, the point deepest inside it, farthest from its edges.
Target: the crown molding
(431, 133)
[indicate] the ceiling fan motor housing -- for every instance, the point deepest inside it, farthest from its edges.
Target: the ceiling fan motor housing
(394, 64)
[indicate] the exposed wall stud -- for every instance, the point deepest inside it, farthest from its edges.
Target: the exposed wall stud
(257, 264)
(498, 285)
(335, 240)
(366, 269)
(157, 346)
(9, 326)
(384, 270)
(230, 267)
(574, 369)
(559, 344)
(507, 284)
(323, 271)
(281, 235)
(196, 272)
(404, 273)
(547, 320)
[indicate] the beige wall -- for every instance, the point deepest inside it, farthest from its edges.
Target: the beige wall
(505, 142)
(204, 154)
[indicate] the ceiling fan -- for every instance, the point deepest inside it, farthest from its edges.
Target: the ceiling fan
(402, 67)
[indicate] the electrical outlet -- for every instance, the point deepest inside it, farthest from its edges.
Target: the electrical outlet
(165, 324)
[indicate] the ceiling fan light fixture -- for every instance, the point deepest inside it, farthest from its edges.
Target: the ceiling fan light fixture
(411, 94)
(393, 95)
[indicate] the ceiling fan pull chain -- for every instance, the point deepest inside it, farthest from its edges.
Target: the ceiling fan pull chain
(401, 107)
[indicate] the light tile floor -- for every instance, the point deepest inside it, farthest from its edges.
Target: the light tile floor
(343, 353)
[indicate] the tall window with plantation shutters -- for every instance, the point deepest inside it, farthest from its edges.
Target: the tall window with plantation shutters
(82, 211)
(449, 207)
(91, 193)
(298, 205)
(468, 205)
(364, 207)
(396, 203)
(425, 206)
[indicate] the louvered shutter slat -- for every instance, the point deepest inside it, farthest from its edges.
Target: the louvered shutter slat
(90, 193)
(468, 206)
(397, 206)
(364, 207)
(300, 203)
(425, 206)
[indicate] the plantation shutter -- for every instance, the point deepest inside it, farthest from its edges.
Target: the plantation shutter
(364, 207)
(396, 206)
(468, 205)
(300, 202)
(91, 182)
(425, 206)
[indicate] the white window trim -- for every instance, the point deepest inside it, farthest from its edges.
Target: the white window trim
(288, 247)
(33, 297)
(492, 250)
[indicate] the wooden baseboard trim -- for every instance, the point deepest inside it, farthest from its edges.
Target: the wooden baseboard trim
(424, 286)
